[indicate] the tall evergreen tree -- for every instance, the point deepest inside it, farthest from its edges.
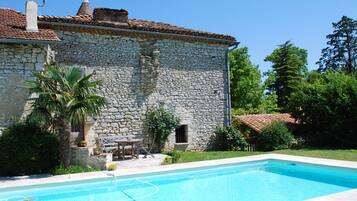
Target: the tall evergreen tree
(341, 53)
(289, 66)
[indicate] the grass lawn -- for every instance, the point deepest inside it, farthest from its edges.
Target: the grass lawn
(201, 156)
(350, 155)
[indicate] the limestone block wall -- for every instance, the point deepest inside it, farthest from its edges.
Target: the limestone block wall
(17, 62)
(189, 79)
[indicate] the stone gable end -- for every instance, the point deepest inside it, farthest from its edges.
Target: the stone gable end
(189, 79)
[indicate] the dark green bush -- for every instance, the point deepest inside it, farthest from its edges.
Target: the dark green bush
(326, 107)
(274, 136)
(160, 123)
(27, 149)
(229, 139)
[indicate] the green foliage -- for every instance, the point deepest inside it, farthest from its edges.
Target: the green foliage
(326, 107)
(112, 167)
(167, 161)
(63, 96)
(27, 149)
(61, 170)
(289, 67)
(64, 93)
(229, 139)
(247, 91)
(174, 157)
(274, 136)
(267, 106)
(160, 123)
(341, 53)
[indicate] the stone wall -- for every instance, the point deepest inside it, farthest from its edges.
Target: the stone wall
(83, 156)
(190, 79)
(17, 62)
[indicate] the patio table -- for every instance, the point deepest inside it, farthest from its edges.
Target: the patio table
(128, 142)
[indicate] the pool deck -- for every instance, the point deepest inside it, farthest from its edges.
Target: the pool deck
(344, 196)
(13, 182)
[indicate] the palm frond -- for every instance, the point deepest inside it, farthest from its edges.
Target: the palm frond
(64, 93)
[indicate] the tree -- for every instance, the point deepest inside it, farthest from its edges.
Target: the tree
(289, 67)
(341, 53)
(64, 96)
(246, 89)
(325, 105)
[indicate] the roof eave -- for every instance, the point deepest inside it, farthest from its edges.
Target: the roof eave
(217, 40)
(27, 41)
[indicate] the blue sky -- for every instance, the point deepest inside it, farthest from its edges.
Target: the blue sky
(258, 24)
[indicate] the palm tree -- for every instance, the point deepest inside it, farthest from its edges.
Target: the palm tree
(63, 96)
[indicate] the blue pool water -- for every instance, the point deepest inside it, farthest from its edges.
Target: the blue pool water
(269, 180)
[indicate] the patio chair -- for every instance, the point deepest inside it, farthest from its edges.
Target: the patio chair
(146, 149)
(109, 145)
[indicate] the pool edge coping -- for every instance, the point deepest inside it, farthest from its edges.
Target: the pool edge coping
(13, 182)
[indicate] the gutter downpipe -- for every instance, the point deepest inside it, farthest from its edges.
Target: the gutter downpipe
(229, 103)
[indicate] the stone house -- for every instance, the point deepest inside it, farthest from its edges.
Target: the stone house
(142, 64)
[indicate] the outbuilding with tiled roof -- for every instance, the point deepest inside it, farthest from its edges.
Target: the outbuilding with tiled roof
(257, 122)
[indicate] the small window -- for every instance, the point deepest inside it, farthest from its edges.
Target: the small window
(77, 128)
(181, 134)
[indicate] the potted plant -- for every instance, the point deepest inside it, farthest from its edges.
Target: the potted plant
(97, 150)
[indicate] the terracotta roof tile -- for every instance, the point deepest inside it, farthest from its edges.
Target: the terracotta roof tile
(136, 24)
(13, 26)
(259, 121)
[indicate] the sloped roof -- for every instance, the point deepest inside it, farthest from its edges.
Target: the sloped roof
(13, 26)
(85, 9)
(258, 121)
(136, 24)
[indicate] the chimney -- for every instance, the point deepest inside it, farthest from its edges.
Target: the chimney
(31, 15)
(110, 15)
(85, 8)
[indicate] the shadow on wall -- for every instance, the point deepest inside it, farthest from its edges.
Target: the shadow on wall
(144, 79)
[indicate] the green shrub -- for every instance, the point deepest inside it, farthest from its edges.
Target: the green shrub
(229, 139)
(60, 170)
(167, 161)
(174, 155)
(27, 149)
(326, 107)
(112, 167)
(160, 123)
(274, 136)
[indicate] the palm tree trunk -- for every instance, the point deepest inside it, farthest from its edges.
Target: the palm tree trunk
(64, 141)
(83, 124)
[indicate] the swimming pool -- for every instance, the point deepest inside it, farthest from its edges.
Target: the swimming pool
(267, 180)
